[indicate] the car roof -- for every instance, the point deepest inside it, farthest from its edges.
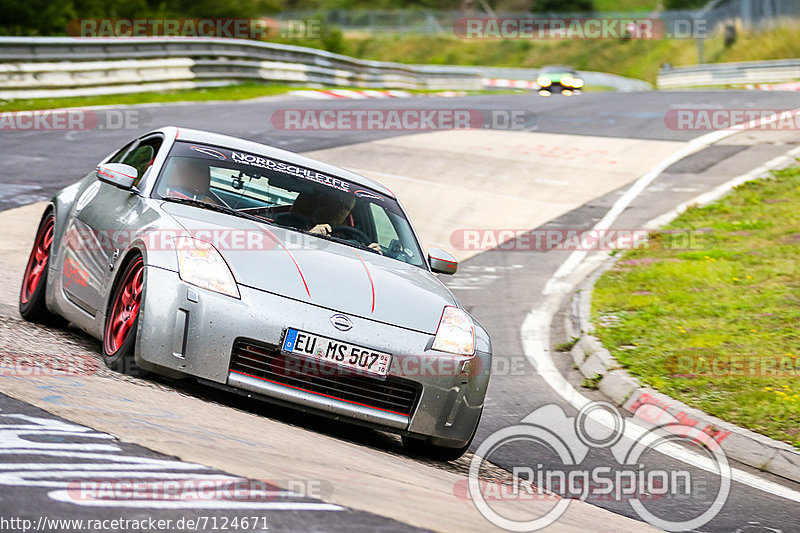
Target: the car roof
(227, 141)
(558, 68)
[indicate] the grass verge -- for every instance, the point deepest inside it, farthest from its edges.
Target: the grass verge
(715, 324)
(243, 91)
(231, 92)
(633, 58)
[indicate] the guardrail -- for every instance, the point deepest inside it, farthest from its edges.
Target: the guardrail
(64, 66)
(748, 72)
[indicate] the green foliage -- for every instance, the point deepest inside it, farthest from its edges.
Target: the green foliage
(233, 92)
(592, 382)
(566, 346)
(241, 91)
(684, 4)
(685, 317)
(633, 58)
(562, 6)
(374, 4)
(46, 17)
(330, 38)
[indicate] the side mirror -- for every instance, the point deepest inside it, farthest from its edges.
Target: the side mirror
(441, 262)
(117, 174)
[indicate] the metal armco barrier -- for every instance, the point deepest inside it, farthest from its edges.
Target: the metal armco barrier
(714, 74)
(65, 66)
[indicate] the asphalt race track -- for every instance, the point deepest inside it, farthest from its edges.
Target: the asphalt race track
(499, 287)
(35, 444)
(63, 157)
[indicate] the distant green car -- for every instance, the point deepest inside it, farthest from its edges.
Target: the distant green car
(559, 78)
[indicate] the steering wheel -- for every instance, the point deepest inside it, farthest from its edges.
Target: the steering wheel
(351, 233)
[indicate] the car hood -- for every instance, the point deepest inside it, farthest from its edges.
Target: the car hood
(321, 272)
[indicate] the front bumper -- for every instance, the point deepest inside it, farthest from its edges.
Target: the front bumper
(193, 331)
(558, 86)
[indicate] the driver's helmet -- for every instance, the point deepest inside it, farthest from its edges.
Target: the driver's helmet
(324, 207)
(187, 176)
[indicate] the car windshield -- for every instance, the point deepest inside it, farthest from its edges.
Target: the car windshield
(288, 195)
(558, 70)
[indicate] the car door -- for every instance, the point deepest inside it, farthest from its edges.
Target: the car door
(99, 229)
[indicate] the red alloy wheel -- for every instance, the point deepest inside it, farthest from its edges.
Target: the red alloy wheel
(38, 260)
(125, 309)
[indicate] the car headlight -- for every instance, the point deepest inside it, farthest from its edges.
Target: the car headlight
(199, 263)
(543, 82)
(456, 333)
(567, 81)
(577, 83)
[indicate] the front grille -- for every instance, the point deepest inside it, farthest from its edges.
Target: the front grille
(266, 362)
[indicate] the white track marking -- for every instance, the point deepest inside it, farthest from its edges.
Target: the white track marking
(36, 479)
(113, 467)
(162, 463)
(46, 467)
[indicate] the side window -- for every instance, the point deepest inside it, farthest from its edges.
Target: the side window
(142, 156)
(384, 229)
(117, 158)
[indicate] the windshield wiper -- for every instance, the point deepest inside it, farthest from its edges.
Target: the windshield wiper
(342, 241)
(215, 207)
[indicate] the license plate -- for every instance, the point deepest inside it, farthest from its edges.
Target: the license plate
(357, 358)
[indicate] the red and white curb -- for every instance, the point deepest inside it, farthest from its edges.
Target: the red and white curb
(513, 84)
(363, 94)
(788, 86)
(333, 94)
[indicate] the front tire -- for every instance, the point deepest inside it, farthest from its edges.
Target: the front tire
(32, 294)
(122, 320)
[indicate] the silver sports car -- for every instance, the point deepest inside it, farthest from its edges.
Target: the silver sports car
(253, 269)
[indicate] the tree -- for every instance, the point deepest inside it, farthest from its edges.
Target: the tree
(562, 6)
